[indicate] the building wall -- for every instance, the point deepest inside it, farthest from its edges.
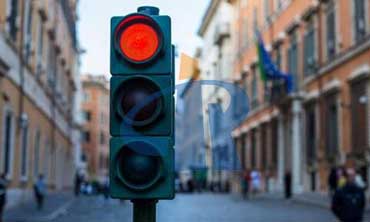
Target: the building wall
(96, 103)
(191, 150)
(216, 59)
(331, 75)
(44, 104)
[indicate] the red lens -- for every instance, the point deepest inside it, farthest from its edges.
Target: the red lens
(139, 42)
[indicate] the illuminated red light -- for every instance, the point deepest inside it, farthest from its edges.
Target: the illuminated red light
(139, 42)
(138, 38)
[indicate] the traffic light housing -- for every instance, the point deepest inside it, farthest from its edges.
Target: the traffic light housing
(142, 106)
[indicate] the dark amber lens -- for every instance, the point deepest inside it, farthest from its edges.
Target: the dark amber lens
(134, 98)
(140, 101)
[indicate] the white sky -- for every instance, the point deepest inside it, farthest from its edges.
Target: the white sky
(94, 26)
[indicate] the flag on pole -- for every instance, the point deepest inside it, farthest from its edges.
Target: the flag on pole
(268, 69)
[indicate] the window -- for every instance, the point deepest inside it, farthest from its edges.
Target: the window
(237, 103)
(311, 133)
(266, 91)
(278, 56)
(86, 136)
(245, 40)
(27, 28)
(293, 58)
(242, 142)
(83, 157)
(37, 154)
(101, 161)
(24, 149)
(254, 88)
(51, 70)
(40, 46)
(11, 18)
(104, 100)
(46, 159)
(102, 138)
(245, 81)
(266, 8)
(86, 96)
(309, 48)
(6, 161)
(359, 116)
(255, 19)
(330, 30)
(331, 115)
(87, 115)
(359, 20)
(253, 153)
(274, 143)
(264, 162)
(58, 78)
(102, 119)
(278, 5)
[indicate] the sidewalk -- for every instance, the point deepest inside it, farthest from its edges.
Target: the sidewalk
(309, 198)
(318, 199)
(55, 205)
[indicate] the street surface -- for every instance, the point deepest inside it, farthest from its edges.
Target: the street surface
(199, 208)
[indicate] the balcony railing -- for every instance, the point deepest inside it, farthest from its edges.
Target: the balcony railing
(277, 92)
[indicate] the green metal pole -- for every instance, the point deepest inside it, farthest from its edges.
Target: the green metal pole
(144, 210)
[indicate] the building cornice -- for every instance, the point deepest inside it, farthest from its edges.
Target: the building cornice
(207, 17)
(361, 72)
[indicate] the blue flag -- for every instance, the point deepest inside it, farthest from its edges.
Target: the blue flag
(268, 68)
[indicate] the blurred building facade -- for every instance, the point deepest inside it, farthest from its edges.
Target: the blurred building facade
(216, 63)
(95, 108)
(191, 152)
(39, 84)
(324, 123)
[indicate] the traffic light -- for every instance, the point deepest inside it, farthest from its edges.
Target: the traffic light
(142, 106)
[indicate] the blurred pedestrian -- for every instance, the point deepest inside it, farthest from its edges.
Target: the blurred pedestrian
(245, 183)
(333, 181)
(77, 183)
(348, 203)
(106, 188)
(3, 187)
(256, 181)
(342, 177)
(89, 188)
(288, 184)
(190, 185)
(360, 181)
(40, 191)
